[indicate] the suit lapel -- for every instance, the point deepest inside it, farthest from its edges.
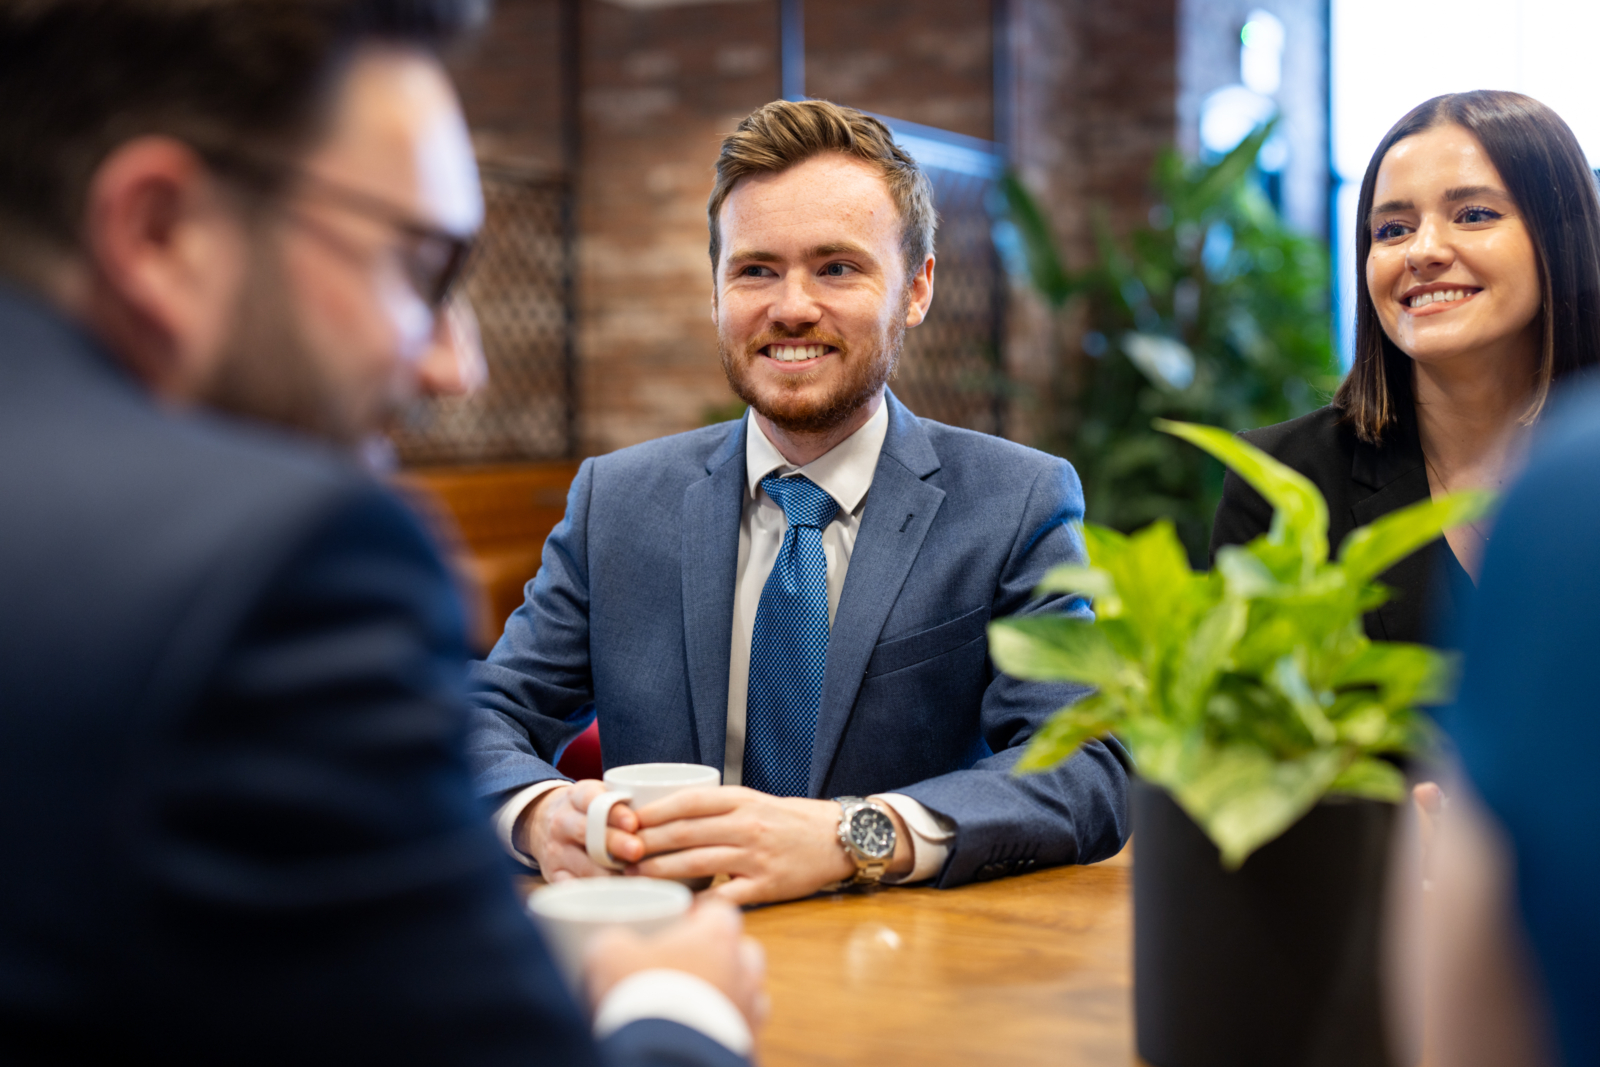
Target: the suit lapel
(710, 555)
(899, 511)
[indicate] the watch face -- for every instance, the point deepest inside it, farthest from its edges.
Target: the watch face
(872, 833)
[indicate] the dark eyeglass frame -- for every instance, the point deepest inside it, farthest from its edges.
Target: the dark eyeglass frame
(434, 276)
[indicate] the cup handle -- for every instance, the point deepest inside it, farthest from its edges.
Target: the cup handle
(595, 836)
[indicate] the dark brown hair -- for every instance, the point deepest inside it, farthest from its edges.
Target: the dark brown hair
(778, 135)
(1546, 174)
(79, 77)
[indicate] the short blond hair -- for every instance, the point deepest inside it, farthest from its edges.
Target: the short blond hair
(778, 135)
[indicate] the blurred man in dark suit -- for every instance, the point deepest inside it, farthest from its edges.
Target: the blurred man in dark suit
(234, 808)
(1504, 947)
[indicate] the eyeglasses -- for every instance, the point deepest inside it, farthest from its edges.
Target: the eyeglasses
(433, 259)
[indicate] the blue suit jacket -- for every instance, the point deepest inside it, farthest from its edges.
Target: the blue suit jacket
(1530, 650)
(631, 615)
(235, 814)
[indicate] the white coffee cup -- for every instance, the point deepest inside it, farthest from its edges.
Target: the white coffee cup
(571, 913)
(640, 783)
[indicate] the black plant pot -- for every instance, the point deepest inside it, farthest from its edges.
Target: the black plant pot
(1272, 965)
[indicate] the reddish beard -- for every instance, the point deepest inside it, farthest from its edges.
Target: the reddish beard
(792, 404)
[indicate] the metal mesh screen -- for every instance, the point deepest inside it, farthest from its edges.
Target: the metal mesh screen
(519, 286)
(951, 367)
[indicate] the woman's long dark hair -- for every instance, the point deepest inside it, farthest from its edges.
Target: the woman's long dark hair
(1549, 179)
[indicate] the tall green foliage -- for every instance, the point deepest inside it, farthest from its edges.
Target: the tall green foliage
(1214, 313)
(1248, 691)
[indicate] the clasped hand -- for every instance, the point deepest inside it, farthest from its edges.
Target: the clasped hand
(771, 848)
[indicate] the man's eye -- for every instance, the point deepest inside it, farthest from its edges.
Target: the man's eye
(837, 270)
(754, 270)
(1389, 231)
(1470, 215)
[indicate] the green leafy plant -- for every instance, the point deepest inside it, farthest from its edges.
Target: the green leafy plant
(1249, 691)
(1216, 312)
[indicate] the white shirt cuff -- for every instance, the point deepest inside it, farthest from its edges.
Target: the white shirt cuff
(930, 837)
(505, 816)
(678, 997)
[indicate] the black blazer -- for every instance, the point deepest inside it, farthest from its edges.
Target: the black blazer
(1361, 482)
(235, 817)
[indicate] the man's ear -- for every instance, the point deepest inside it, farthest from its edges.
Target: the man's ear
(920, 296)
(167, 256)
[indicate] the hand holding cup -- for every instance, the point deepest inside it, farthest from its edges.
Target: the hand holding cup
(638, 784)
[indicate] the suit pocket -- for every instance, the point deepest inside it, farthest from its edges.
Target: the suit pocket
(908, 651)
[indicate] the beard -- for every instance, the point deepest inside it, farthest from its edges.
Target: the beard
(269, 370)
(792, 404)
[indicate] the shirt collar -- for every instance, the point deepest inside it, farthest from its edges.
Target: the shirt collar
(844, 472)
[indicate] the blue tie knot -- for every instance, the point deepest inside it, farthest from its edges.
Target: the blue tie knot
(804, 503)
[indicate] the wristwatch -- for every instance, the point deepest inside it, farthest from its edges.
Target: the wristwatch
(867, 834)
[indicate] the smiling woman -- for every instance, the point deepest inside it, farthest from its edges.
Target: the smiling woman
(1478, 247)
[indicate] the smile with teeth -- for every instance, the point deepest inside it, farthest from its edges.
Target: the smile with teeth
(796, 353)
(1443, 296)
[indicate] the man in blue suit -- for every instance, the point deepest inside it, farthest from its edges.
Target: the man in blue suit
(234, 803)
(799, 598)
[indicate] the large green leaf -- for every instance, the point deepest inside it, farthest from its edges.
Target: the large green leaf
(1289, 681)
(1093, 582)
(1300, 515)
(1103, 544)
(1205, 654)
(1371, 778)
(1403, 674)
(1066, 731)
(1055, 648)
(1243, 797)
(1152, 577)
(1370, 550)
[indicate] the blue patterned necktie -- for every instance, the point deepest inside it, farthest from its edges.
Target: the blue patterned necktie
(789, 647)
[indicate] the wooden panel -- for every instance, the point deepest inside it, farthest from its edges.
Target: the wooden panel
(493, 521)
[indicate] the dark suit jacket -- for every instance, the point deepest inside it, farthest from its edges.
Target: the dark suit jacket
(632, 613)
(234, 810)
(1361, 482)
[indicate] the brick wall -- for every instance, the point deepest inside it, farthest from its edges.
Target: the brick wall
(510, 84)
(1094, 89)
(661, 83)
(930, 62)
(660, 89)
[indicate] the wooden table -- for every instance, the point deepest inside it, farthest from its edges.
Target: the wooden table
(1029, 970)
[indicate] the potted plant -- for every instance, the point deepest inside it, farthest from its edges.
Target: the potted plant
(1215, 312)
(1262, 722)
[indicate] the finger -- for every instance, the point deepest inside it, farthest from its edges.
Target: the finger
(557, 876)
(718, 915)
(754, 959)
(625, 848)
(743, 891)
(695, 833)
(1429, 797)
(569, 827)
(692, 863)
(623, 818)
(576, 860)
(696, 804)
(611, 942)
(583, 792)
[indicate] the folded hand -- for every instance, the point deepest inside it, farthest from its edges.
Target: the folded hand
(772, 848)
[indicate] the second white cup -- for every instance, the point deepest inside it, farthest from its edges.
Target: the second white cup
(571, 913)
(640, 784)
